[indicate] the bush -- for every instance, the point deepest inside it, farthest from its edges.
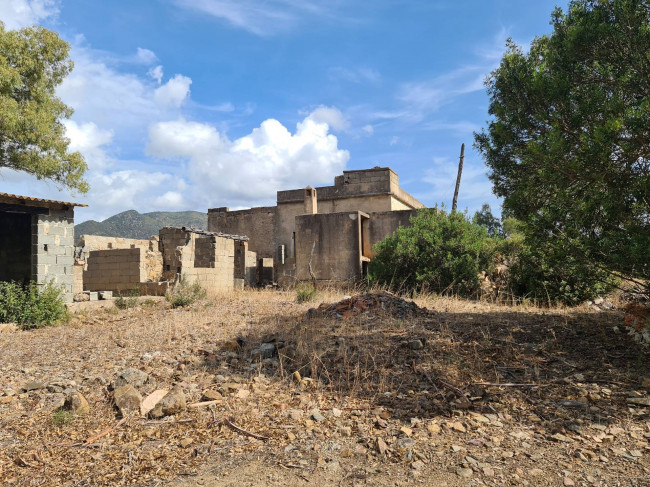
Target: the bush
(32, 306)
(305, 292)
(440, 252)
(184, 294)
(549, 272)
(127, 300)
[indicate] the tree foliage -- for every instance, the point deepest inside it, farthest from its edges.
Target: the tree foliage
(487, 220)
(33, 62)
(438, 251)
(568, 145)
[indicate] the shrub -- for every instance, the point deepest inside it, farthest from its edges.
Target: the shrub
(440, 252)
(128, 299)
(184, 294)
(33, 305)
(305, 292)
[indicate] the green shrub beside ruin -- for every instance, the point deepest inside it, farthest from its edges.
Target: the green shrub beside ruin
(32, 306)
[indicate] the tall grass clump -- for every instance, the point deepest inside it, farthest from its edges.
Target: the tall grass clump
(32, 305)
(127, 300)
(184, 294)
(305, 292)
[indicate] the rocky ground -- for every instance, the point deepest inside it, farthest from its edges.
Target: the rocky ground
(255, 389)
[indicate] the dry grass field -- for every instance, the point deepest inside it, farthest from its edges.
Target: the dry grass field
(375, 390)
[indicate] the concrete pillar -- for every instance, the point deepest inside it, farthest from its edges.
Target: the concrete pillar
(311, 202)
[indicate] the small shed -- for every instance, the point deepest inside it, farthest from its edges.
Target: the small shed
(37, 241)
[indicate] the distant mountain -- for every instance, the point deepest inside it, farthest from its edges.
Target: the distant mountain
(131, 224)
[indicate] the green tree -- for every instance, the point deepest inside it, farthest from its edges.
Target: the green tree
(487, 220)
(568, 144)
(33, 62)
(438, 251)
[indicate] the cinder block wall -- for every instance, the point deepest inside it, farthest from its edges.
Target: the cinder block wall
(53, 249)
(117, 270)
(217, 260)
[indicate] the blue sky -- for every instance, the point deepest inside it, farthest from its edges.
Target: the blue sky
(193, 104)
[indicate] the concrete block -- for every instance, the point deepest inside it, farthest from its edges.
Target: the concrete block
(94, 296)
(106, 295)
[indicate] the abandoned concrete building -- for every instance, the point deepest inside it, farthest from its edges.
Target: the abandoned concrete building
(37, 241)
(330, 228)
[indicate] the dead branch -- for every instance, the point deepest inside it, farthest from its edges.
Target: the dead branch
(233, 426)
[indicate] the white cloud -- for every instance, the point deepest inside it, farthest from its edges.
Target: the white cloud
(394, 140)
(122, 102)
(171, 200)
(145, 56)
(369, 129)
(17, 14)
(260, 18)
(174, 92)
(251, 169)
(88, 139)
(156, 73)
(330, 116)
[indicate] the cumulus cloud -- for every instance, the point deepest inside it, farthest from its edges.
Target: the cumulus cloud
(156, 73)
(145, 56)
(171, 200)
(88, 139)
(174, 92)
(251, 168)
(17, 14)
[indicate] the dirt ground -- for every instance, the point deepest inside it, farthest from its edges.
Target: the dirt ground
(387, 392)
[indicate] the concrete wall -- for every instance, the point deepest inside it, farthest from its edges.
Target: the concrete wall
(381, 225)
(53, 249)
(118, 270)
(259, 222)
(336, 242)
(78, 278)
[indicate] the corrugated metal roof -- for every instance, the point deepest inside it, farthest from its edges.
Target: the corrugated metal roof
(31, 201)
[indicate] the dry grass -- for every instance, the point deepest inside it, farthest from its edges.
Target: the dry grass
(358, 363)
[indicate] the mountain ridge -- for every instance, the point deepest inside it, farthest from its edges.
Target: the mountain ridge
(132, 224)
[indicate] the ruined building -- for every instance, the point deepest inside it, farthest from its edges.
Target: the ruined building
(37, 241)
(329, 229)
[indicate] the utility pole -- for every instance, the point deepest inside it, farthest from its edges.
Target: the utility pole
(460, 172)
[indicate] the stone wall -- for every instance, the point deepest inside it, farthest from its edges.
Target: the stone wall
(53, 249)
(117, 270)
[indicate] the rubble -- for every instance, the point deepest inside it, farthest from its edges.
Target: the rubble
(382, 302)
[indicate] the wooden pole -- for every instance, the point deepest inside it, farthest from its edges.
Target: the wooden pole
(454, 203)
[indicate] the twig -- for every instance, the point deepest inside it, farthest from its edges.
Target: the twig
(507, 384)
(243, 431)
(107, 431)
(204, 404)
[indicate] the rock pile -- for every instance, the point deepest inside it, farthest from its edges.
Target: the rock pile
(382, 302)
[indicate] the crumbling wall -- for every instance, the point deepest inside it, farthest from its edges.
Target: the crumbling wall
(197, 257)
(245, 264)
(117, 270)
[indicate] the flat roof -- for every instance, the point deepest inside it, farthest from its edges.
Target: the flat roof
(14, 199)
